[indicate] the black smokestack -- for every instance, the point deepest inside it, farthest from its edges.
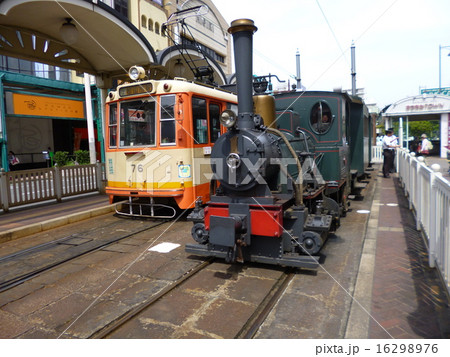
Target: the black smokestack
(242, 31)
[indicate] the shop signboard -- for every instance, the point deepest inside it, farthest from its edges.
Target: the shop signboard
(43, 106)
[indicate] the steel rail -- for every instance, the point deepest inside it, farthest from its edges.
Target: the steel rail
(129, 315)
(258, 317)
(35, 248)
(10, 283)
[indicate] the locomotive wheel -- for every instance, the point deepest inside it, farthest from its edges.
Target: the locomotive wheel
(310, 243)
(199, 233)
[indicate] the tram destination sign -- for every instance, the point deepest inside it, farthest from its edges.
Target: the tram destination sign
(136, 89)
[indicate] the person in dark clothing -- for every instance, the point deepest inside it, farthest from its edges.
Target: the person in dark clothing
(414, 146)
(389, 146)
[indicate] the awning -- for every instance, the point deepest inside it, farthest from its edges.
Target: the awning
(107, 42)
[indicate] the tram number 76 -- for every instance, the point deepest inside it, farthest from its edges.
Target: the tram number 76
(140, 167)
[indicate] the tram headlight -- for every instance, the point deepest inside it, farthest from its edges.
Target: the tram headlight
(136, 72)
(228, 118)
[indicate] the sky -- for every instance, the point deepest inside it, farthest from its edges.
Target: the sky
(396, 43)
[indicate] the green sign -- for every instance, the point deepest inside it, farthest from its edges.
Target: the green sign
(443, 91)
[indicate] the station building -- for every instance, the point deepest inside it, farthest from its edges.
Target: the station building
(424, 107)
(42, 90)
(42, 114)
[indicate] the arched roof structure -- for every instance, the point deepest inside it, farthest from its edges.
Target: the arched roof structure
(170, 56)
(419, 105)
(108, 44)
(423, 108)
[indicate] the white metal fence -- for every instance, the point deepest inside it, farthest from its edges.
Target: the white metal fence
(428, 194)
(377, 154)
(28, 186)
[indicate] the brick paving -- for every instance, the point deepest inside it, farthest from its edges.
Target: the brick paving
(408, 300)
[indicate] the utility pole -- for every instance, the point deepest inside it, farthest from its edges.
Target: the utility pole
(299, 81)
(89, 118)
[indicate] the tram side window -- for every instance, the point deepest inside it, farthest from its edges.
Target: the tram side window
(214, 123)
(200, 120)
(137, 123)
(321, 117)
(113, 125)
(167, 120)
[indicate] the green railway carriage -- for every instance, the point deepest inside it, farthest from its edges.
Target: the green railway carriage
(360, 134)
(339, 128)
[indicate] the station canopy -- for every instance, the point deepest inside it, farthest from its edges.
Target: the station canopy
(420, 107)
(102, 41)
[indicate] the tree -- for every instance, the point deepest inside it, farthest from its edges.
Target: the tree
(429, 127)
(417, 128)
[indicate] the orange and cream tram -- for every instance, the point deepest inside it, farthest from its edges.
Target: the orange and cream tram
(159, 139)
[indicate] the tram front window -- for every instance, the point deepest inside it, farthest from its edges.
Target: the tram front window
(167, 120)
(199, 116)
(137, 123)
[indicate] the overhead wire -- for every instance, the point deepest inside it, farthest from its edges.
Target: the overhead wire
(342, 51)
(332, 31)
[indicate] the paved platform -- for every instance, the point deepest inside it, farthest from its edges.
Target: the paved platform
(443, 163)
(29, 219)
(402, 296)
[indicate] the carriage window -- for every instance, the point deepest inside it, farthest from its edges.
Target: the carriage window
(167, 120)
(137, 123)
(113, 125)
(200, 121)
(321, 117)
(214, 123)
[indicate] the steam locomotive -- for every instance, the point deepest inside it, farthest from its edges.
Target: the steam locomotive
(283, 171)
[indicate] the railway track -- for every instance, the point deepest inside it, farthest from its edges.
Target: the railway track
(188, 300)
(249, 327)
(17, 269)
(252, 325)
(116, 324)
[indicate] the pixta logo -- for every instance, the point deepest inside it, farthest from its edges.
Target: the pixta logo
(241, 171)
(149, 169)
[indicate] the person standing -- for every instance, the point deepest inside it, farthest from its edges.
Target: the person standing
(425, 146)
(389, 146)
(48, 156)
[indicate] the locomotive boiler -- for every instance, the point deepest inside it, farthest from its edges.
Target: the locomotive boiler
(263, 207)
